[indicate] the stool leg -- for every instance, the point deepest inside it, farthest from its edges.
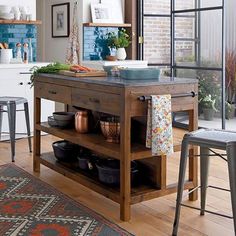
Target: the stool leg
(182, 170)
(204, 169)
(231, 154)
(11, 110)
(1, 116)
(26, 108)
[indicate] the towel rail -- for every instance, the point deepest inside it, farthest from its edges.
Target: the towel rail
(192, 94)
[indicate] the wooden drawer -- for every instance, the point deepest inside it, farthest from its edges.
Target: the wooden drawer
(53, 92)
(96, 101)
(139, 108)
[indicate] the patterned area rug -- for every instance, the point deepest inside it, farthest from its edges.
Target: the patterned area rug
(28, 206)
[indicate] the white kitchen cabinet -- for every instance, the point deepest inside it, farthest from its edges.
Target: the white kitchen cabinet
(16, 82)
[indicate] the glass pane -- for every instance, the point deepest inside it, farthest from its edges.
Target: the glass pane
(192, 4)
(184, 4)
(210, 3)
(209, 45)
(230, 82)
(184, 33)
(157, 7)
(157, 40)
(209, 97)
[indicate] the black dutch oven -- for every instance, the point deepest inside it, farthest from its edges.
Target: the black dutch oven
(109, 171)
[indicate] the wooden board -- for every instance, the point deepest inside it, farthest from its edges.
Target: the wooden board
(99, 73)
(21, 22)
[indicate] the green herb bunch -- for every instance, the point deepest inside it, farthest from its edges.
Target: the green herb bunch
(49, 69)
(120, 40)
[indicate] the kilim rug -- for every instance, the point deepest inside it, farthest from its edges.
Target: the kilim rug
(28, 206)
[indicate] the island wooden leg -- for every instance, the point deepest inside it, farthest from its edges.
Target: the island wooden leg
(37, 134)
(125, 163)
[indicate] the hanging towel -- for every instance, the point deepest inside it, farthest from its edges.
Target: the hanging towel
(159, 135)
(72, 54)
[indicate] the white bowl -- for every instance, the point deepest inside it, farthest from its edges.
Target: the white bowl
(5, 9)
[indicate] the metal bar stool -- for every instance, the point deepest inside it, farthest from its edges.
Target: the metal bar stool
(207, 139)
(10, 103)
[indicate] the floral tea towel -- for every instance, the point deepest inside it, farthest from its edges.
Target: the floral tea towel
(159, 136)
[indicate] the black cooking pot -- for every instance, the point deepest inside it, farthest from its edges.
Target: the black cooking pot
(109, 171)
(65, 151)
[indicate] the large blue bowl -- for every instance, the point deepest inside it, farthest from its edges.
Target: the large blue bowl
(140, 73)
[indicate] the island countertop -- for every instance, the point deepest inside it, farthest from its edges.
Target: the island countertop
(119, 82)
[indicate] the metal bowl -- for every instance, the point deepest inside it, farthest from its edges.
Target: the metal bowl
(110, 128)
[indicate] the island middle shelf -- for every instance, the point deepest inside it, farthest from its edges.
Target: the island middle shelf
(97, 143)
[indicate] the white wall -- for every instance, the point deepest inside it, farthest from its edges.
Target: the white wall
(54, 49)
(27, 3)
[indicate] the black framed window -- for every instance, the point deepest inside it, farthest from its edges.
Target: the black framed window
(189, 38)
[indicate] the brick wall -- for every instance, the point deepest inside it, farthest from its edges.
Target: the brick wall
(157, 32)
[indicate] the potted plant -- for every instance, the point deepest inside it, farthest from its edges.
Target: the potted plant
(230, 78)
(209, 93)
(208, 107)
(119, 41)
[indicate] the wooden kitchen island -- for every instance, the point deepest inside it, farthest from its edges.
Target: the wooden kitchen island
(120, 98)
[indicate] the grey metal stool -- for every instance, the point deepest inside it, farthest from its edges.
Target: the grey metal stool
(10, 103)
(207, 139)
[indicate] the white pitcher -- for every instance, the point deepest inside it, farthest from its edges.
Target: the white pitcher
(5, 56)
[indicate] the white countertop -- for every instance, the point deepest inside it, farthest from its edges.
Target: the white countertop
(22, 65)
(111, 63)
(126, 63)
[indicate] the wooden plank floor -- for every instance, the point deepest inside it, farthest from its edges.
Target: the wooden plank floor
(151, 218)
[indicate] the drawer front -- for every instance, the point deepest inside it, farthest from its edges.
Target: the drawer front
(53, 92)
(97, 101)
(139, 108)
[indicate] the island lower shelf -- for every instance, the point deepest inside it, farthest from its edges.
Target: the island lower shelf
(140, 192)
(97, 143)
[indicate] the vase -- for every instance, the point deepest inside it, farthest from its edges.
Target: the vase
(230, 111)
(208, 114)
(121, 54)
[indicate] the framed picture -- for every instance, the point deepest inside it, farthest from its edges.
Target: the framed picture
(61, 20)
(116, 10)
(100, 13)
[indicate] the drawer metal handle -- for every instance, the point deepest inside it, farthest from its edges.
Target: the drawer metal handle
(95, 100)
(21, 83)
(52, 92)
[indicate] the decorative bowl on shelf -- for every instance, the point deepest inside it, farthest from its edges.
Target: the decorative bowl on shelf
(62, 119)
(110, 127)
(64, 115)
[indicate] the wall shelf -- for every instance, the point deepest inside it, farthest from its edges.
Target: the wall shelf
(106, 25)
(21, 22)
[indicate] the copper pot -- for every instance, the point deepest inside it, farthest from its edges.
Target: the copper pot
(111, 130)
(81, 122)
